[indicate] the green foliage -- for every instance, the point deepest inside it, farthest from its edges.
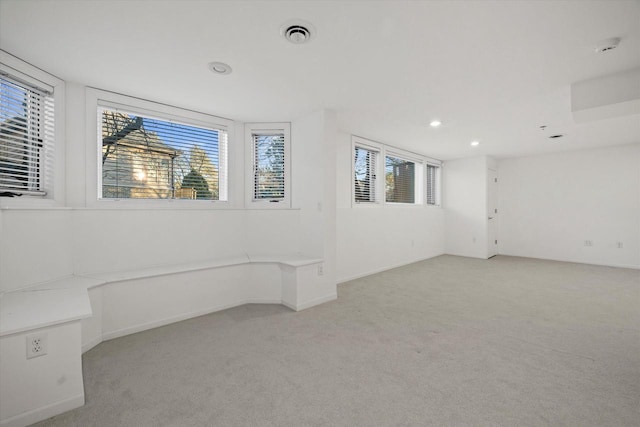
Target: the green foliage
(196, 181)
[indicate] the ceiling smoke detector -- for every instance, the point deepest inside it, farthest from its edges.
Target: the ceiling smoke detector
(607, 45)
(297, 31)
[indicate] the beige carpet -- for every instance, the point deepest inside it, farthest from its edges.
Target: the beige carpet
(446, 342)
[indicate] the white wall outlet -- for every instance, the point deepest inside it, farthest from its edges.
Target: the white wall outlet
(588, 242)
(619, 245)
(36, 345)
(320, 269)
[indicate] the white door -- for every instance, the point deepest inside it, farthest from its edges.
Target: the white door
(492, 213)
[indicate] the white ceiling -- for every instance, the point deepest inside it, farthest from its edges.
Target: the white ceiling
(490, 70)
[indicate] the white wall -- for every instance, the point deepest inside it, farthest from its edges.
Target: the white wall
(375, 238)
(549, 205)
(313, 140)
(30, 390)
(39, 244)
(465, 202)
(35, 246)
(43, 242)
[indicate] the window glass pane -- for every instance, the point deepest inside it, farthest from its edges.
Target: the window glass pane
(432, 184)
(26, 132)
(364, 175)
(148, 158)
(269, 166)
(399, 180)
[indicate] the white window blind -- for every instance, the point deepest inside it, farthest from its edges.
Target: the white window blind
(365, 161)
(26, 137)
(268, 166)
(433, 185)
(149, 158)
(400, 182)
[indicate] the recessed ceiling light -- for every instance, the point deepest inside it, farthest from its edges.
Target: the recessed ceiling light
(298, 31)
(220, 68)
(435, 123)
(475, 143)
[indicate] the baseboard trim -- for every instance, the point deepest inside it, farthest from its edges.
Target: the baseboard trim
(92, 343)
(48, 411)
(168, 320)
(380, 270)
(575, 261)
(312, 303)
(185, 316)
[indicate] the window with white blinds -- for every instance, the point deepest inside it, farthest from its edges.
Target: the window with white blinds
(144, 157)
(433, 184)
(269, 159)
(365, 174)
(400, 180)
(385, 176)
(26, 137)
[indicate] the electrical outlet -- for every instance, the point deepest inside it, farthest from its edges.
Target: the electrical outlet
(36, 345)
(320, 269)
(588, 242)
(619, 245)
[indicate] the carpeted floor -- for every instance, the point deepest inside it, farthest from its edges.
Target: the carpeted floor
(449, 341)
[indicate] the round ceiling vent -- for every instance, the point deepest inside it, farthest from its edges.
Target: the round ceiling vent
(297, 31)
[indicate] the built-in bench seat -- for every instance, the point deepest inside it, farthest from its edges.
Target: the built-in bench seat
(80, 311)
(65, 299)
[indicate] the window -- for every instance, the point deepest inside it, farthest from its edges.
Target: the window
(433, 184)
(268, 148)
(399, 179)
(143, 156)
(27, 136)
(364, 174)
(403, 173)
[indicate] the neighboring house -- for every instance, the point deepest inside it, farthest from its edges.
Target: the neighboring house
(400, 181)
(18, 158)
(137, 164)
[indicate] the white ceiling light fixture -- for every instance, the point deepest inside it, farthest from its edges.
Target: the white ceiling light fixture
(220, 68)
(297, 31)
(435, 123)
(475, 143)
(607, 45)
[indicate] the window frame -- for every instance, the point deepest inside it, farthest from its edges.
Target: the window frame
(377, 149)
(438, 187)
(266, 128)
(418, 191)
(420, 176)
(53, 176)
(97, 98)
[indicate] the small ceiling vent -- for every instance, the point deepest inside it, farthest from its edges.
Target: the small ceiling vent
(297, 31)
(297, 34)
